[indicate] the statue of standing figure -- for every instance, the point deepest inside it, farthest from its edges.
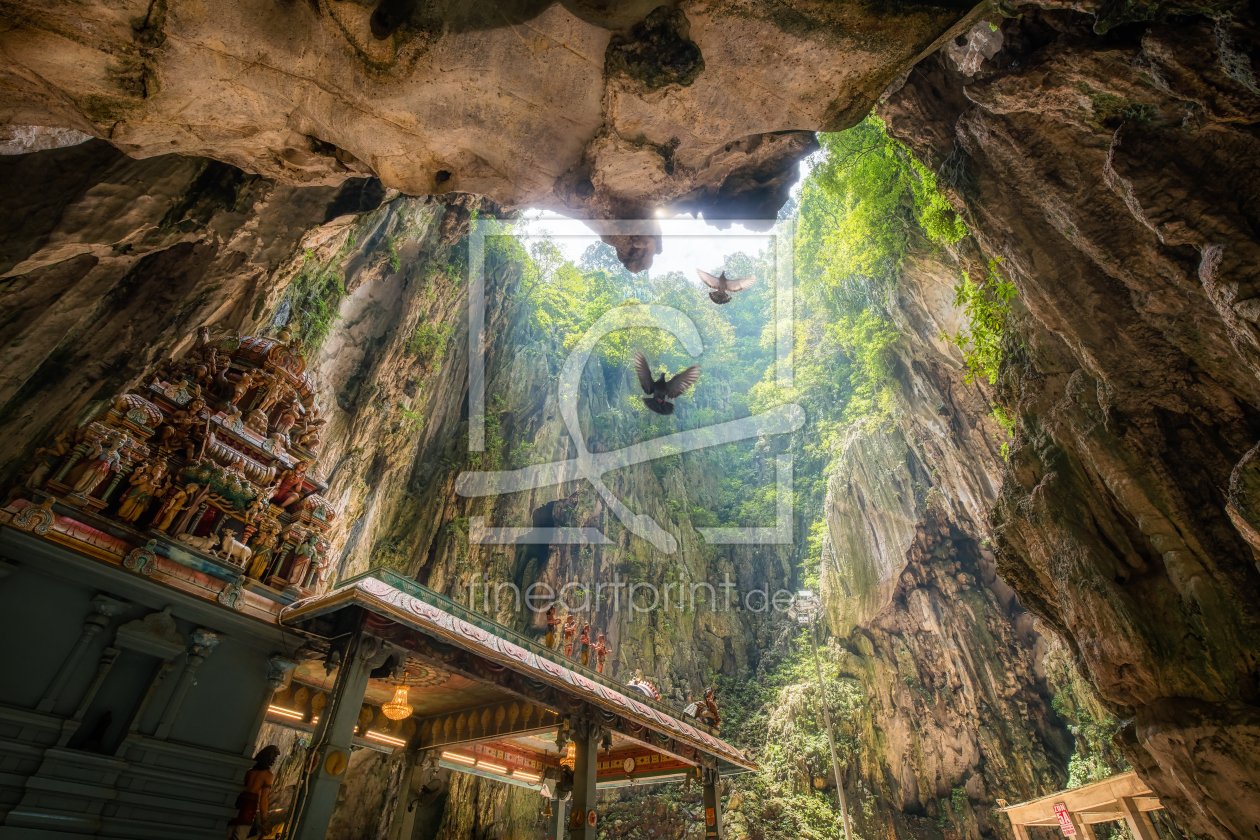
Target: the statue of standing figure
(302, 560)
(552, 623)
(570, 632)
(102, 458)
(48, 458)
(601, 653)
(146, 482)
(174, 504)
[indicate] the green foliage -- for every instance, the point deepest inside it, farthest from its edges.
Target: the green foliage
(866, 339)
(861, 207)
(779, 721)
(314, 298)
(987, 307)
(395, 261)
(428, 341)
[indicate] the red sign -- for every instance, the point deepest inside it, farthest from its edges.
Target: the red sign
(1065, 820)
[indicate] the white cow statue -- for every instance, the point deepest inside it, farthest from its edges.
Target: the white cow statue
(235, 550)
(205, 543)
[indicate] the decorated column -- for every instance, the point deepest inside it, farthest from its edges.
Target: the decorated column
(712, 803)
(329, 755)
(204, 641)
(104, 609)
(583, 819)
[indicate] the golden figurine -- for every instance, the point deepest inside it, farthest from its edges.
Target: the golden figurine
(174, 504)
(145, 485)
(570, 631)
(552, 623)
(601, 653)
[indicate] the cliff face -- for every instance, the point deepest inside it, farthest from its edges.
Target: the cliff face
(957, 706)
(1116, 175)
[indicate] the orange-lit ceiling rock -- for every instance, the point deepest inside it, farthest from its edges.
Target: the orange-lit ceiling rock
(705, 106)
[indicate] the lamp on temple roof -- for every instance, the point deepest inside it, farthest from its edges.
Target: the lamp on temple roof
(569, 759)
(398, 708)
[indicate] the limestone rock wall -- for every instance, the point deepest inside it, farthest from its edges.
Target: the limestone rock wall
(1115, 173)
(108, 265)
(957, 705)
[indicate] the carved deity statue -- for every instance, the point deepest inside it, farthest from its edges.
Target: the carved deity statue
(278, 390)
(185, 429)
(601, 653)
(289, 490)
(47, 458)
(552, 623)
(248, 380)
(309, 438)
(570, 632)
(175, 502)
(302, 556)
(145, 482)
(102, 457)
(585, 641)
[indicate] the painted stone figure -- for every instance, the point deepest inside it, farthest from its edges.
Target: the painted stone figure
(552, 623)
(287, 420)
(709, 710)
(309, 438)
(289, 490)
(174, 503)
(146, 483)
(585, 641)
(302, 560)
(102, 457)
(570, 632)
(248, 380)
(601, 653)
(47, 458)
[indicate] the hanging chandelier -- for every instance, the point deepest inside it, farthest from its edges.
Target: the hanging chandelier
(398, 708)
(569, 759)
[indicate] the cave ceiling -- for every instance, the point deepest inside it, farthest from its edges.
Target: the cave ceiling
(606, 110)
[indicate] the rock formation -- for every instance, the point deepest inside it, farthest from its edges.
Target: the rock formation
(1106, 155)
(1115, 175)
(604, 110)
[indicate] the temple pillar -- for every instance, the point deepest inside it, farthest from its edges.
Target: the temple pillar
(204, 642)
(555, 825)
(582, 822)
(1139, 824)
(277, 668)
(329, 755)
(712, 803)
(104, 609)
(1021, 833)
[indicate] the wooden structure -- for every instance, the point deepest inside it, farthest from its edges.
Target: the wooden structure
(482, 699)
(1121, 797)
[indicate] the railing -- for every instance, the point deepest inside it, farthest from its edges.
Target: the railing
(475, 618)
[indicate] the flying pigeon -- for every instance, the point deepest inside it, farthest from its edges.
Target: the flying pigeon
(723, 284)
(661, 391)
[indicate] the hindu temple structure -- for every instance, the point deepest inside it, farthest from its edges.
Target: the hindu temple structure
(168, 566)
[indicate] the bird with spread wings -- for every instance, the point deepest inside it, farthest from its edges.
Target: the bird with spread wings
(661, 390)
(722, 285)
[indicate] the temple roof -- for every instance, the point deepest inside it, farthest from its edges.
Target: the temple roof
(406, 602)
